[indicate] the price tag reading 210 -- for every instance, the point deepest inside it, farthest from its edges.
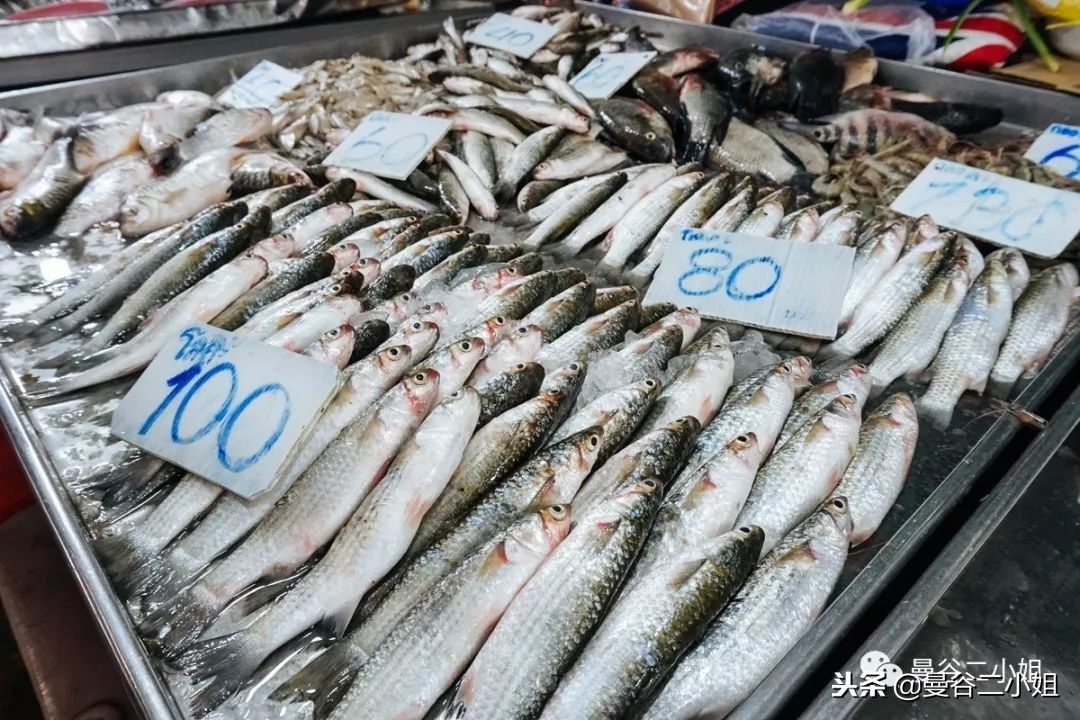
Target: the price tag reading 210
(389, 144)
(224, 408)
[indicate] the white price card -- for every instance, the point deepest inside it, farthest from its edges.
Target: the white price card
(261, 86)
(389, 144)
(791, 287)
(1058, 148)
(225, 408)
(1034, 218)
(514, 35)
(608, 72)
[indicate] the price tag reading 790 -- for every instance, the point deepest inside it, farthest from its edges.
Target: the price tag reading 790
(763, 282)
(389, 144)
(1034, 218)
(608, 72)
(514, 35)
(227, 409)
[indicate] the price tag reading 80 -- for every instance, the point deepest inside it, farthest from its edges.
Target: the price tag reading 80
(608, 72)
(261, 86)
(227, 409)
(389, 144)
(763, 282)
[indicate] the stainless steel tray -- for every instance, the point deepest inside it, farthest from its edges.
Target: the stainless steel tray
(947, 466)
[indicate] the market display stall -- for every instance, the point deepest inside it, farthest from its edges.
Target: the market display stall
(487, 262)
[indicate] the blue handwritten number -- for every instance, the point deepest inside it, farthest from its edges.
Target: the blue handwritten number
(240, 464)
(602, 72)
(366, 140)
(218, 416)
(712, 270)
(1040, 219)
(177, 383)
(736, 294)
(510, 36)
(1067, 152)
(988, 200)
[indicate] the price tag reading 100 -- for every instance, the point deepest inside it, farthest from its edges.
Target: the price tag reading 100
(389, 144)
(227, 409)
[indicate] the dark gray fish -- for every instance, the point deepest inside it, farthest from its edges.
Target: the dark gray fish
(637, 127)
(303, 271)
(369, 335)
(662, 92)
(509, 389)
(393, 282)
(336, 191)
(43, 195)
(815, 81)
(708, 112)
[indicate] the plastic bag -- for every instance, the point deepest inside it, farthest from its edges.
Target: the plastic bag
(898, 32)
(986, 39)
(700, 11)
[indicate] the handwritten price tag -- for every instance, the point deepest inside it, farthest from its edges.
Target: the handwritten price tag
(790, 287)
(227, 409)
(1058, 148)
(1034, 218)
(514, 35)
(608, 72)
(262, 86)
(389, 144)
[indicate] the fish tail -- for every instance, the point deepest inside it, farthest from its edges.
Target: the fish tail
(186, 615)
(230, 659)
(324, 680)
(938, 411)
(1000, 386)
(123, 556)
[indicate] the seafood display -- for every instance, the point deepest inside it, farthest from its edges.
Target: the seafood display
(533, 494)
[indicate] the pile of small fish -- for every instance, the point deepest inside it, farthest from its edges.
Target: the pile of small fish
(532, 495)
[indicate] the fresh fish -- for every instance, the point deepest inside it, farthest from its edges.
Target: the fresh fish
(305, 518)
(890, 298)
(645, 219)
(334, 192)
(551, 618)
(873, 258)
(181, 272)
(759, 404)
(800, 226)
(609, 297)
(20, 152)
(615, 207)
(40, 199)
(662, 92)
(104, 137)
(563, 311)
(815, 81)
(526, 156)
(370, 334)
(576, 157)
(841, 229)
(276, 198)
(805, 471)
(571, 215)
(657, 454)
(598, 332)
(517, 300)
(619, 412)
(477, 152)
(508, 390)
(164, 126)
(333, 348)
(484, 122)
(877, 473)
(636, 126)
(407, 673)
(746, 149)
(454, 364)
(101, 197)
(809, 152)
(970, 345)
(452, 195)
(365, 549)
(545, 113)
(1015, 267)
(708, 112)
(776, 605)
(649, 627)
(870, 130)
(520, 346)
(388, 284)
(648, 355)
(381, 189)
(479, 196)
(226, 129)
(261, 170)
(535, 192)
(568, 94)
(1039, 319)
(852, 380)
(764, 221)
(909, 348)
(692, 213)
(195, 186)
(493, 452)
(733, 213)
(697, 391)
(551, 475)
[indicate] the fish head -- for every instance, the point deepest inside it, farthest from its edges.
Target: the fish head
(924, 229)
(822, 132)
(526, 340)
(715, 339)
(738, 550)
(855, 380)
(746, 451)
(421, 336)
(585, 447)
(138, 214)
(494, 329)
(838, 513)
(645, 494)
(1016, 268)
(464, 403)
(530, 373)
(421, 388)
(554, 526)
(401, 305)
(567, 378)
(647, 389)
(798, 369)
(843, 413)
(898, 410)
(684, 428)
(345, 254)
(1065, 275)
(465, 354)
(686, 319)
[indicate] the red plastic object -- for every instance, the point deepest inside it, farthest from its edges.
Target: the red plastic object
(77, 8)
(15, 493)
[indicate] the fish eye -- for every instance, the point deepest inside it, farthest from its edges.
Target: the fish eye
(520, 366)
(457, 395)
(650, 383)
(575, 367)
(500, 320)
(819, 134)
(465, 346)
(744, 530)
(393, 352)
(417, 326)
(335, 288)
(427, 308)
(650, 135)
(557, 511)
(405, 297)
(334, 333)
(649, 484)
(743, 439)
(838, 503)
(523, 330)
(419, 377)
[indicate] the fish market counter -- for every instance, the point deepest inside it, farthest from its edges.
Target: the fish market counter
(60, 444)
(989, 629)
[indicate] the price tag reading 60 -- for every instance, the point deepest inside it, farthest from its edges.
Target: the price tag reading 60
(389, 144)
(224, 408)
(764, 282)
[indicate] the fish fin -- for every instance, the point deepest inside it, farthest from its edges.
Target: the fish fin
(338, 621)
(1000, 388)
(231, 661)
(152, 579)
(122, 557)
(57, 361)
(324, 681)
(939, 414)
(187, 615)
